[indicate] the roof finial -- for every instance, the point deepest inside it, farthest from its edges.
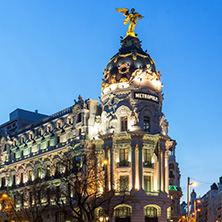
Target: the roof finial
(133, 17)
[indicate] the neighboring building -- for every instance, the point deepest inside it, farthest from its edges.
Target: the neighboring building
(211, 203)
(20, 118)
(128, 127)
(174, 185)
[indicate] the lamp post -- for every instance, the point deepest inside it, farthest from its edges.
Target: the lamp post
(188, 197)
(106, 165)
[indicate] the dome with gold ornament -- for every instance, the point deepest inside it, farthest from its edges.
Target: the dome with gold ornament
(124, 65)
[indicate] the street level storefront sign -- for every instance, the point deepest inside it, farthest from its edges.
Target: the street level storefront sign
(172, 187)
(146, 96)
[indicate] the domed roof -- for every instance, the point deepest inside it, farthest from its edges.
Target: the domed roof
(129, 58)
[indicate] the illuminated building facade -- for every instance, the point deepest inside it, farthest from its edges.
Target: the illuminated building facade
(128, 127)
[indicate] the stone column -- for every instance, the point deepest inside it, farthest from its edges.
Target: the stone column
(137, 170)
(108, 143)
(141, 166)
(164, 181)
(160, 167)
(111, 168)
(133, 166)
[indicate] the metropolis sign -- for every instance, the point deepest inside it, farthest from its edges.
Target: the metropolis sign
(146, 96)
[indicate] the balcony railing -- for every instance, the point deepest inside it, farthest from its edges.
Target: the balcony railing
(148, 164)
(124, 163)
(149, 193)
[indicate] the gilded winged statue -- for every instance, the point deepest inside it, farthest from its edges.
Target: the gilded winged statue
(132, 18)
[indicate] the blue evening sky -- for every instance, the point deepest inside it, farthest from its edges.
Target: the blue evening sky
(53, 50)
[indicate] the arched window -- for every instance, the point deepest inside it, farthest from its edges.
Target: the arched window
(122, 213)
(69, 120)
(49, 127)
(146, 124)
(152, 212)
(59, 124)
(40, 131)
(78, 118)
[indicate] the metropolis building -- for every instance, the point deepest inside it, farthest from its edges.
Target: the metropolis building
(127, 125)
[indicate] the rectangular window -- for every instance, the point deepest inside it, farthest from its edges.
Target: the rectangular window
(30, 198)
(124, 123)
(76, 163)
(123, 157)
(13, 180)
(48, 143)
(147, 158)
(22, 199)
(57, 139)
(3, 181)
(21, 178)
(48, 171)
(22, 153)
(57, 170)
(30, 175)
(146, 124)
(39, 173)
(48, 195)
(147, 183)
(14, 155)
(124, 183)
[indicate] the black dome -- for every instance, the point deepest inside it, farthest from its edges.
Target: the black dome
(129, 58)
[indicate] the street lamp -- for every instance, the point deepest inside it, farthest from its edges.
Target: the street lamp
(103, 219)
(188, 196)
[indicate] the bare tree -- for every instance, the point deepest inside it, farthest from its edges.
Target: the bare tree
(31, 203)
(83, 188)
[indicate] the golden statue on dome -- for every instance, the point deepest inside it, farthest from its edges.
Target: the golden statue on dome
(132, 18)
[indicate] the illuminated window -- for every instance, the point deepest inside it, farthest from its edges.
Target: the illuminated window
(69, 120)
(147, 158)
(59, 124)
(15, 142)
(150, 212)
(124, 183)
(123, 157)
(146, 124)
(48, 171)
(31, 135)
(49, 128)
(40, 132)
(123, 212)
(124, 123)
(23, 139)
(30, 175)
(39, 173)
(147, 183)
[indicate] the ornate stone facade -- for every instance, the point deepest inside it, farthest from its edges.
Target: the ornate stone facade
(128, 127)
